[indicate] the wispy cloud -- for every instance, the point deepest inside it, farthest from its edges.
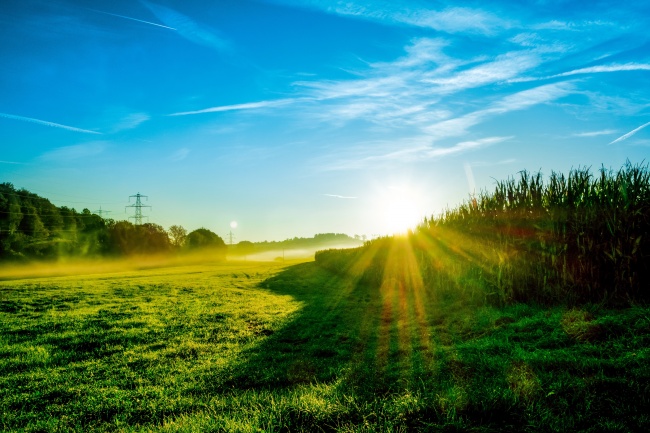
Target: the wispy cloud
(188, 28)
(46, 123)
(238, 107)
(606, 68)
(595, 133)
(502, 68)
(492, 163)
(132, 19)
(409, 150)
(629, 134)
(464, 147)
(79, 151)
(424, 146)
(12, 162)
(589, 70)
(339, 196)
(411, 13)
(180, 154)
(131, 121)
(409, 90)
(515, 102)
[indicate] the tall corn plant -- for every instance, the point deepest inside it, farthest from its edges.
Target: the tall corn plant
(575, 238)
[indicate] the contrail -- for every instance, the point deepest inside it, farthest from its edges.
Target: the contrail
(337, 196)
(12, 162)
(629, 134)
(133, 19)
(46, 123)
(187, 28)
(237, 107)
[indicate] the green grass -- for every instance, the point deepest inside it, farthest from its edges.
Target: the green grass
(263, 347)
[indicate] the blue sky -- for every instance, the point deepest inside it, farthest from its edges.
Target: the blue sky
(301, 117)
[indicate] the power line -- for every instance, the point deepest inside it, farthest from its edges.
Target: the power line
(138, 207)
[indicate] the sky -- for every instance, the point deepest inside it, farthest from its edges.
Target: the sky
(300, 117)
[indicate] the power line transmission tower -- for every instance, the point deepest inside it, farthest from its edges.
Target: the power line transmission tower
(101, 212)
(138, 207)
(231, 235)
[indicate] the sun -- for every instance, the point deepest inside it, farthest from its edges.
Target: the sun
(398, 209)
(233, 225)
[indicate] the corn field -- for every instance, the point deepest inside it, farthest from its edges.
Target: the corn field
(570, 239)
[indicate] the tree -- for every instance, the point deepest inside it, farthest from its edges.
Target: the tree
(153, 238)
(244, 248)
(204, 239)
(177, 234)
(121, 237)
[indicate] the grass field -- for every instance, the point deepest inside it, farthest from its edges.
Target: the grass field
(246, 346)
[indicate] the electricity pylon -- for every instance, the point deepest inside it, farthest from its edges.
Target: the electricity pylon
(101, 212)
(230, 235)
(138, 207)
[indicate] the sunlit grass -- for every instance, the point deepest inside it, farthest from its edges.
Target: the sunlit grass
(263, 347)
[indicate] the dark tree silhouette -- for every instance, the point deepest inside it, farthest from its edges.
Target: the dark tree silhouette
(204, 239)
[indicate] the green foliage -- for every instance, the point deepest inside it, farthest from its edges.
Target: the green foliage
(177, 235)
(33, 228)
(205, 239)
(126, 238)
(578, 238)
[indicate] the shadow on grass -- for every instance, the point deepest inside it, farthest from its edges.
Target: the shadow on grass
(320, 342)
(397, 353)
(370, 341)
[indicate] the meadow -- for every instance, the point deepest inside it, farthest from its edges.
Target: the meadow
(271, 346)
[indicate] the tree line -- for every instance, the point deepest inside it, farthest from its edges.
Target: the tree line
(31, 227)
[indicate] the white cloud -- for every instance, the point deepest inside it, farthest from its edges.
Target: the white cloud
(606, 68)
(594, 133)
(409, 150)
(79, 151)
(502, 68)
(180, 154)
(411, 13)
(528, 98)
(515, 102)
(420, 147)
(589, 70)
(131, 121)
(464, 146)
